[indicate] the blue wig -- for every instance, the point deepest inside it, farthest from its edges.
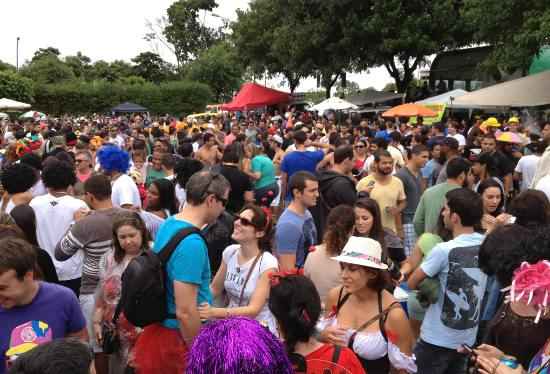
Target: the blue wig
(111, 158)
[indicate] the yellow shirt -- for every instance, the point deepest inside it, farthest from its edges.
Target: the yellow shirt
(387, 195)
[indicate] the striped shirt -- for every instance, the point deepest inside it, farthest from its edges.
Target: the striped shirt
(93, 235)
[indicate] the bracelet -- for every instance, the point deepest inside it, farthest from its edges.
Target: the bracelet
(511, 362)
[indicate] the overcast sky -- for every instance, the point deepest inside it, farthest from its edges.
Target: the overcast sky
(108, 30)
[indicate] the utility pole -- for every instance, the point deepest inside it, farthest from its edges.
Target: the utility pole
(17, 55)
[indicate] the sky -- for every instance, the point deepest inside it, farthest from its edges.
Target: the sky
(111, 30)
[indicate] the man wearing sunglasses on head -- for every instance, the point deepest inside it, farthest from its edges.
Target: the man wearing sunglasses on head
(188, 273)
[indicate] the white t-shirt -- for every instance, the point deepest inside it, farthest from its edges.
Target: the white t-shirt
(544, 185)
(527, 165)
(460, 139)
(125, 191)
(54, 216)
(38, 189)
(181, 195)
(236, 275)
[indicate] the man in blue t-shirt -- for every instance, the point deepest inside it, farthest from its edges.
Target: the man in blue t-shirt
(454, 319)
(295, 231)
(298, 160)
(188, 268)
(32, 312)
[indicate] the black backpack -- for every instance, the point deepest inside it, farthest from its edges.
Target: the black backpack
(143, 296)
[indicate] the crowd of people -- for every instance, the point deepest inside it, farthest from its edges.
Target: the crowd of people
(284, 243)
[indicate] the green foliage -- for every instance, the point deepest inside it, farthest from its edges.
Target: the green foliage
(399, 34)
(80, 65)
(517, 30)
(351, 88)
(186, 32)
(151, 67)
(4, 66)
(47, 68)
(315, 96)
(219, 67)
(78, 97)
(15, 87)
(44, 52)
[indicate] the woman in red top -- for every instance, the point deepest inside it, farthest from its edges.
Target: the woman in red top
(361, 154)
(296, 305)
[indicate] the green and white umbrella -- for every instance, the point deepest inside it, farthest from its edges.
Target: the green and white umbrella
(33, 114)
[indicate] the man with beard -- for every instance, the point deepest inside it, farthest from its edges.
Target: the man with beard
(432, 200)
(386, 190)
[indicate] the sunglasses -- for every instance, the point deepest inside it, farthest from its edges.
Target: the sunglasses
(244, 221)
(222, 200)
(359, 146)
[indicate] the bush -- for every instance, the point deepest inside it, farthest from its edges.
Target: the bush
(78, 97)
(15, 87)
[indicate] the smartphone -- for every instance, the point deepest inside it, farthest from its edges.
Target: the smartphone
(469, 350)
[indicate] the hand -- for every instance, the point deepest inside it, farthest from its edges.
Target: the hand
(81, 213)
(488, 351)
(205, 311)
(494, 366)
(392, 210)
(488, 222)
(334, 335)
(98, 332)
(502, 219)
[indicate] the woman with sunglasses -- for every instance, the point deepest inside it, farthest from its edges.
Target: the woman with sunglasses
(364, 316)
(361, 154)
(245, 270)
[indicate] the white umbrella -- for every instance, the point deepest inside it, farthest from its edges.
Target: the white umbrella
(334, 103)
(33, 114)
(8, 104)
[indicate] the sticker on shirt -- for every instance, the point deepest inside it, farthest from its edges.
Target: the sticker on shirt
(27, 336)
(464, 289)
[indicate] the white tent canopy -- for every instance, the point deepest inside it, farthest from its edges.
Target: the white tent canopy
(8, 104)
(444, 98)
(334, 103)
(529, 91)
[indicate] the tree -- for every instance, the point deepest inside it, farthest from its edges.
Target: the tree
(4, 66)
(151, 67)
(184, 30)
(42, 52)
(517, 30)
(79, 64)
(219, 67)
(399, 34)
(15, 87)
(351, 88)
(294, 38)
(47, 68)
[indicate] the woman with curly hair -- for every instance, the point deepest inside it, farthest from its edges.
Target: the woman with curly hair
(319, 266)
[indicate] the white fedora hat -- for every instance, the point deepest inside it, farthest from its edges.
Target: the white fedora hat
(362, 251)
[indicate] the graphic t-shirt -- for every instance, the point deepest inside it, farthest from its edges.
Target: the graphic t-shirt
(53, 314)
(188, 264)
(294, 234)
(454, 319)
(235, 277)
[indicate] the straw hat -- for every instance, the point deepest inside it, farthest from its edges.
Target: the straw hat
(362, 251)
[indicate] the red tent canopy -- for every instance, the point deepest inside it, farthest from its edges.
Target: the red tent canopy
(253, 95)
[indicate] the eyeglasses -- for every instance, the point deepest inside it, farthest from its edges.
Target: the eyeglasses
(359, 146)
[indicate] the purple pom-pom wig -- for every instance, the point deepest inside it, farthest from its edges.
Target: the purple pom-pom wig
(237, 345)
(112, 158)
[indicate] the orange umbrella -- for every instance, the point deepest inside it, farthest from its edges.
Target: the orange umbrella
(409, 110)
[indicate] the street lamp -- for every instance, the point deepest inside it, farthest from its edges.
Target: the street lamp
(17, 55)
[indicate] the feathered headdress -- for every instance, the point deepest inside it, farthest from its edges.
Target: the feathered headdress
(531, 285)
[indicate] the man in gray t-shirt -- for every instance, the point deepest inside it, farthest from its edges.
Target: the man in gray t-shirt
(411, 177)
